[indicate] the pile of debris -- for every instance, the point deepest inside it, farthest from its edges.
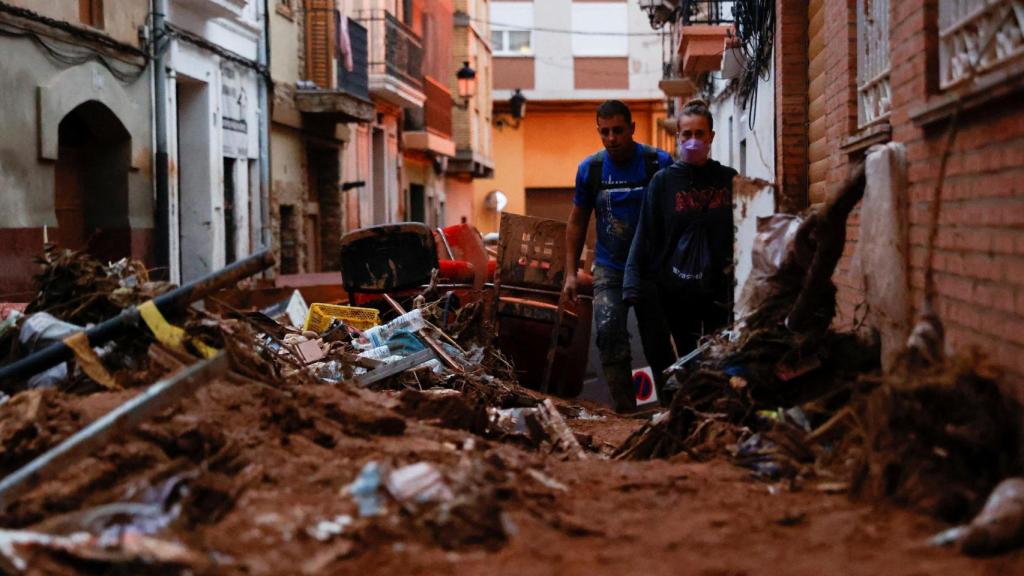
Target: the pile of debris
(790, 398)
(332, 438)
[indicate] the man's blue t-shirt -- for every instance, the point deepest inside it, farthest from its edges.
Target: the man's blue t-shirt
(617, 203)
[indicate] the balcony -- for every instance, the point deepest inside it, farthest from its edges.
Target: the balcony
(395, 60)
(342, 96)
(707, 12)
(674, 85)
(215, 8)
(706, 27)
(429, 129)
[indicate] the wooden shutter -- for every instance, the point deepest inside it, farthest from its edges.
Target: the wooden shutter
(320, 42)
(817, 133)
(90, 13)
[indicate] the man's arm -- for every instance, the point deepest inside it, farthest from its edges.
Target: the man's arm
(575, 235)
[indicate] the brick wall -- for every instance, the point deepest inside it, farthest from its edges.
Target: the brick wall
(791, 104)
(980, 251)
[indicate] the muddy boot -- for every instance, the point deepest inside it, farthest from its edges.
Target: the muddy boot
(620, 385)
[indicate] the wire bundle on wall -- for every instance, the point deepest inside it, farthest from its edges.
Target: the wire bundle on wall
(75, 57)
(755, 27)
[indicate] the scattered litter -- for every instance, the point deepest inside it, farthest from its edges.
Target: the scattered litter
(1000, 524)
(325, 530)
(418, 483)
(365, 490)
(410, 322)
(832, 487)
(546, 480)
(948, 537)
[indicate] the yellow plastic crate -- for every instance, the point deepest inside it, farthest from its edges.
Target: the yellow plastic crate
(321, 315)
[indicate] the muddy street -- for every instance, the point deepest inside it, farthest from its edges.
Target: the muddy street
(263, 476)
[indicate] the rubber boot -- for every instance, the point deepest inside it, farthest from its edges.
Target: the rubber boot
(620, 385)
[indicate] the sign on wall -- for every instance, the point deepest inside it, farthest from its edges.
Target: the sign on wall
(234, 104)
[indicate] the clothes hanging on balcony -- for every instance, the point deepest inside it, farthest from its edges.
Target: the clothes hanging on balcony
(342, 41)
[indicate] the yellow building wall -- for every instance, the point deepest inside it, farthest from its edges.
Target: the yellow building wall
(508, 177)
(545, 151)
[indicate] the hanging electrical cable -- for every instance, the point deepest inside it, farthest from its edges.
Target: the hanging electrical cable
(72, 56)
(755, 29)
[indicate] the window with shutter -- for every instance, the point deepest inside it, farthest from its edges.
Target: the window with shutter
(320, 42)
(90, 13)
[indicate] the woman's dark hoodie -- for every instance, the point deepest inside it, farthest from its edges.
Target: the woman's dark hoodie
(674, 199)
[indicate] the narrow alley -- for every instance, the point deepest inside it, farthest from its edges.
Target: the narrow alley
(710, 287)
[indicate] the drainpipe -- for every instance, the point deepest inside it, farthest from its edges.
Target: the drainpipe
(162, 238)
(263, 58)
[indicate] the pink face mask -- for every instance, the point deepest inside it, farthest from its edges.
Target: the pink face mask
(694, 151)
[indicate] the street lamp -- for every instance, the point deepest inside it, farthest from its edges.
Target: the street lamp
(516, 109)
(466, 77)
(517, 103)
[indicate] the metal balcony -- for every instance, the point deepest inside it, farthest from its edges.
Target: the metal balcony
(430, 128)
(395, 60)
(346, 96)
(710, 12)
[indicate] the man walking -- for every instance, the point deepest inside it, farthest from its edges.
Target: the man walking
(611, 183)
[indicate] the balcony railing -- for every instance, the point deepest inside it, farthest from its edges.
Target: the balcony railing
(356, 82)
(395, 50)
(979, 34)
(713, 12)
(438, 108)
(436, 114)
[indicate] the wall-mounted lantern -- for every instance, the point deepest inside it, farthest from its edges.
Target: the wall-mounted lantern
(466, 78)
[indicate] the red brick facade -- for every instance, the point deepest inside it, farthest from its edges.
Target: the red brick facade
(980, 251)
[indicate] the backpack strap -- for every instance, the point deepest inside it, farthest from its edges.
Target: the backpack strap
(651, 161)
(595, 170)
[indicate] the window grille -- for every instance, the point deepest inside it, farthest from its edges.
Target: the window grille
(965, 30)
(874, 91)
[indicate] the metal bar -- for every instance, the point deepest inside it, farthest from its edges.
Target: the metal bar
(444, 241)
(115, 423)
(171, 303)
(161, 157)
(388, 370)
(429, 340)
(696, 353)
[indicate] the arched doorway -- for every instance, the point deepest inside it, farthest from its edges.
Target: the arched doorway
(91, 183)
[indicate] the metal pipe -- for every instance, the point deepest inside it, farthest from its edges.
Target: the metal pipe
(115, 423)
(171, 303)
(162, 242)
(263, 58)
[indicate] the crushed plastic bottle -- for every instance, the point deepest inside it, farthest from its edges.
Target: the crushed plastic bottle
(411, 321)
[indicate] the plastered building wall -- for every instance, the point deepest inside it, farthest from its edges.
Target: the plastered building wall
(36, 93)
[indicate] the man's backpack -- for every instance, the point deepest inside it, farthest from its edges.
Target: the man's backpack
(595, 168)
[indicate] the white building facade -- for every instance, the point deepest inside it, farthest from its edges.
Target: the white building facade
(213, 126)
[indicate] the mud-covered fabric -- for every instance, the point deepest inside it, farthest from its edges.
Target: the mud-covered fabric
(612, 333)
(610, 316)
(616, 201)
